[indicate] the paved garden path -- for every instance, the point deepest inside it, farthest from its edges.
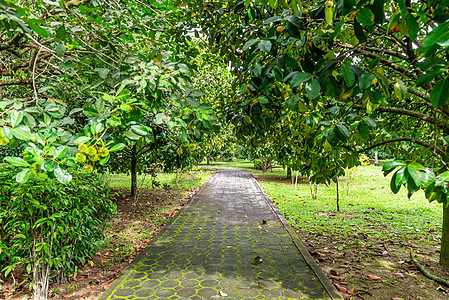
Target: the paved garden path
(228, 242)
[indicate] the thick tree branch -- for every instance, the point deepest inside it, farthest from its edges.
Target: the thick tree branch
(435, 149)
(406, 112)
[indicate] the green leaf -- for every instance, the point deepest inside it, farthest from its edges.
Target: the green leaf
(363, 130)
(416, 172)
(391, 165)
(263, 100)
(103, 72)
(22, 133)
(49, 165)
(293, 102)
(265, 46)
(413, 26)
(402, 7)
(23, 175)
(140, 129)
(16, 161)
(60, 151)
(16, 118)
(393, 186)
(439, 94)
(402, 176)
(39, 30)
(81, 140)
(378, 10)
(117, 147)
(359, 32)
(62, 175)
(249, 44)
(60, 50)
(272, 20)
(365, 81)
(438, 37)
(428, 77)
(105, 159)
(274, 3)
(365, 17)
(299, 79)
(257, 70)
(342, 132)
(131, 135)
(348, 74)
(313, 88)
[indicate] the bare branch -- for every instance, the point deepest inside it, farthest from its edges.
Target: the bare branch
(15, 81)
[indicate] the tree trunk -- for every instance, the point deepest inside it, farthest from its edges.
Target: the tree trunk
(376, 157)
(338, 197)
(208, 160)
(262, 164)
(289, 172)
(444, 254)
(134, 171)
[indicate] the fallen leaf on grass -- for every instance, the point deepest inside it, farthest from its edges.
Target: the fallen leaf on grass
(352, 291)
(68, 296)
(399, 274)
(374, 277)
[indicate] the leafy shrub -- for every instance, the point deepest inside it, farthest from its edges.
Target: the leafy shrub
(50, 228)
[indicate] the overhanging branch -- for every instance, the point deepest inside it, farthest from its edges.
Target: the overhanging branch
(435, 148)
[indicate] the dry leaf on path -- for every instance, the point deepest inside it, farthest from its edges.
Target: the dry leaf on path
(223, 294)
(340, 288)
(399, 274)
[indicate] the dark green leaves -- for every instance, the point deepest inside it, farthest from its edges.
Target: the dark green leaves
(365, 17)
(265, 46)
(389, 166)
(413, 26)
(313, 88)
(440, 95)
(293, 102)
(342, 132)
(438, 37)
(299, 79)
(365, 81)
(348, 74)
(249, 43)
(426, 78)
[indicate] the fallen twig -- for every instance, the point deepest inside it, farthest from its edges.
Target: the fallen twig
(427, 274)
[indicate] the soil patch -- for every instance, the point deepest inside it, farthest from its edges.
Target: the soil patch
(363, 267)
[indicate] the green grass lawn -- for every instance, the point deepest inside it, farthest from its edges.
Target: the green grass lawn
(186, 180)
(367, 205)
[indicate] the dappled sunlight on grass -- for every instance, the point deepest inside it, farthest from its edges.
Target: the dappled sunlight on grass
(364, 201)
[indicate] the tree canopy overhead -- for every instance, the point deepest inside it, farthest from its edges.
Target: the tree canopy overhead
(323, 81)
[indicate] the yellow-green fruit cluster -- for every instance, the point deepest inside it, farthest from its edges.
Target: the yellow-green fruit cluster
(81, 158)
(4, 141)
(88, 168)
(103, 151)
(90, 156)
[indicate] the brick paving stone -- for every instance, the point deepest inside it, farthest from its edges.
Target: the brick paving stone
(209, 251)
